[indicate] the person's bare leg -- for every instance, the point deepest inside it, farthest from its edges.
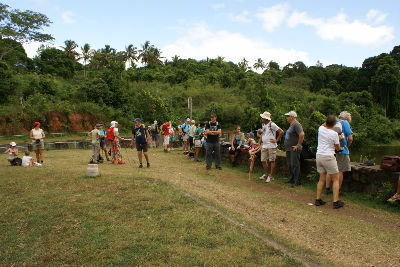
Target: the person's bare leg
(273, 163)
(320, 185)
(37, 156)
(139, 153)
(340, 179)
(41, 155)
(335, 186)
(196, 154)
(328, 182)
(146, 155)
(265, 166)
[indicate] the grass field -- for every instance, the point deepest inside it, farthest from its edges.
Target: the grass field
(177, 213)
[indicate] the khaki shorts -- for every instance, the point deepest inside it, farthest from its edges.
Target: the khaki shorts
(36, 146)
(185, 138)
(327, 164)
(343, 162)
(268, 154)
(166, 140)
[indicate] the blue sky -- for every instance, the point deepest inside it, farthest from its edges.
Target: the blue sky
(342, 32)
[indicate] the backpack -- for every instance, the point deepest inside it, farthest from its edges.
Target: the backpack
(16, 162)
(110, 134)
(276, 132)
(307, 151)
(390, 163)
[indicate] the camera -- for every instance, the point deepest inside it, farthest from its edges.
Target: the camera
(37, 141)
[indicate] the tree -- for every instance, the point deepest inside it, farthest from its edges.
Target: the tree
(144, 53)
(395, 53)
(69, 49)
(259, 64)
(243, 65)
(130, 55)
(86, 55)
(12, 52)
(385, 84)
(300, 66)
(272, 65)
(22, 26)
(55, 61)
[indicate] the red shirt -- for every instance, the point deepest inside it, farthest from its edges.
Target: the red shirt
(165, 128)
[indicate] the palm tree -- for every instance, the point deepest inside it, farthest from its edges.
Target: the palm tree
(130, 54)
(69, 49)
(259, 64)
(144, 52)
(86, 55)
(244, 64)
(175, 60)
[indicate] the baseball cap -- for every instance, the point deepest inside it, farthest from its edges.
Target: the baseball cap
(291, 114)
(187, 119)
(13, 144)
(250, 134)
(137, 120)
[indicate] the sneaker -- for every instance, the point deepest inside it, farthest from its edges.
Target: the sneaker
(328, 191)
(268, 179)
(219, 168)
(148, 165)
(262, 177)
(319, 202)
(140, 165)
(338, 204)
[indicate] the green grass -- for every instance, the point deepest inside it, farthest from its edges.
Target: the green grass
(56, 216)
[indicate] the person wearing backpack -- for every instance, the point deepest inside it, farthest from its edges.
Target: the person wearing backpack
(185, 136)
(269, 145)
(114, 138)
(141, 137)
(154, 134)
(213, 131)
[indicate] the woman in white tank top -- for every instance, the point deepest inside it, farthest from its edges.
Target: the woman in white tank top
(37, 135)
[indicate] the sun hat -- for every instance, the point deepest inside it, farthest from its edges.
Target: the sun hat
(291, 114)
(138, 120)
(187, 119)
(251, 134)
(193, 121)
(13, 144)
(266, 115)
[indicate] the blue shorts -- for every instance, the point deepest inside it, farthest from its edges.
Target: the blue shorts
(172, 139)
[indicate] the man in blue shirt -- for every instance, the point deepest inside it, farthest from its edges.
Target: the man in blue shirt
(345, 139)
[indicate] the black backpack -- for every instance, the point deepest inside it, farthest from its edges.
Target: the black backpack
(307, 151)
(16, 162)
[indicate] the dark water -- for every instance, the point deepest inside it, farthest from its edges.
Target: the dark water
(373, 153)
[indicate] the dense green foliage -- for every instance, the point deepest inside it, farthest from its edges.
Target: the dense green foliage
(56, 79)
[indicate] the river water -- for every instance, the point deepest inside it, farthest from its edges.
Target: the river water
(373, 152)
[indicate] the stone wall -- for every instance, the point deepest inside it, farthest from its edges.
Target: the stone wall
(366, 179)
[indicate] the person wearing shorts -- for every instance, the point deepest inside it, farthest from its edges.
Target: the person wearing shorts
(185, 136)
(141, 136)
(166, 126)
(269, 145)
(37, 135)
(328, 142)
(171, 137)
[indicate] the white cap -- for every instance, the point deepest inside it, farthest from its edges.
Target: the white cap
(13, 144)
(266, 115)
(291, 114)
(155, 121)
(187, 119)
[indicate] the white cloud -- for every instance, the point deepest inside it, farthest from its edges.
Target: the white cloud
(199, 43)
(242, 17)
(31, 48)
(376, 16)
(340, 28)
(273, 16)
(217, 5)
(68, 17)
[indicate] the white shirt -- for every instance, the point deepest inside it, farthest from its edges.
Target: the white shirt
(37, 134)
(268, 133)
(26, 161)
(327, 139)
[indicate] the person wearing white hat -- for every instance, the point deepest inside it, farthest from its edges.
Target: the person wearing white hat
(269, 144)
(12, 152)
(185, 138)
(114, 138)
(293, 139)
(154, 133)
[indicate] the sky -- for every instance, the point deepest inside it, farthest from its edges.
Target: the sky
(333, 32)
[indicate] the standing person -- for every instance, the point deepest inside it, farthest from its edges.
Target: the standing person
(328, 142)
(37, 135)
(190, 132)
(343, 157)
(213, 131)
(171, 136)
(141, 136)
(12, 152)
(165, 129)
(293, 139)
(198, 135)
(95, 135)
(269, 145)
(103, 141)
(154, 134)
(237, 144)
(114, 138)
(180, 134)
(185, 136)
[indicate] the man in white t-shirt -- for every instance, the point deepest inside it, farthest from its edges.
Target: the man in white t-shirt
(269, 145)
(328, 143)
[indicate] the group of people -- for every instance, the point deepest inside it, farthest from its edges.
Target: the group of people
(332, 156)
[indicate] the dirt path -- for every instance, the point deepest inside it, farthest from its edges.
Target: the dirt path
(353, 236)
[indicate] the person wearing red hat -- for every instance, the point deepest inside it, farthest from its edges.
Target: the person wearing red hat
(37, 135)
